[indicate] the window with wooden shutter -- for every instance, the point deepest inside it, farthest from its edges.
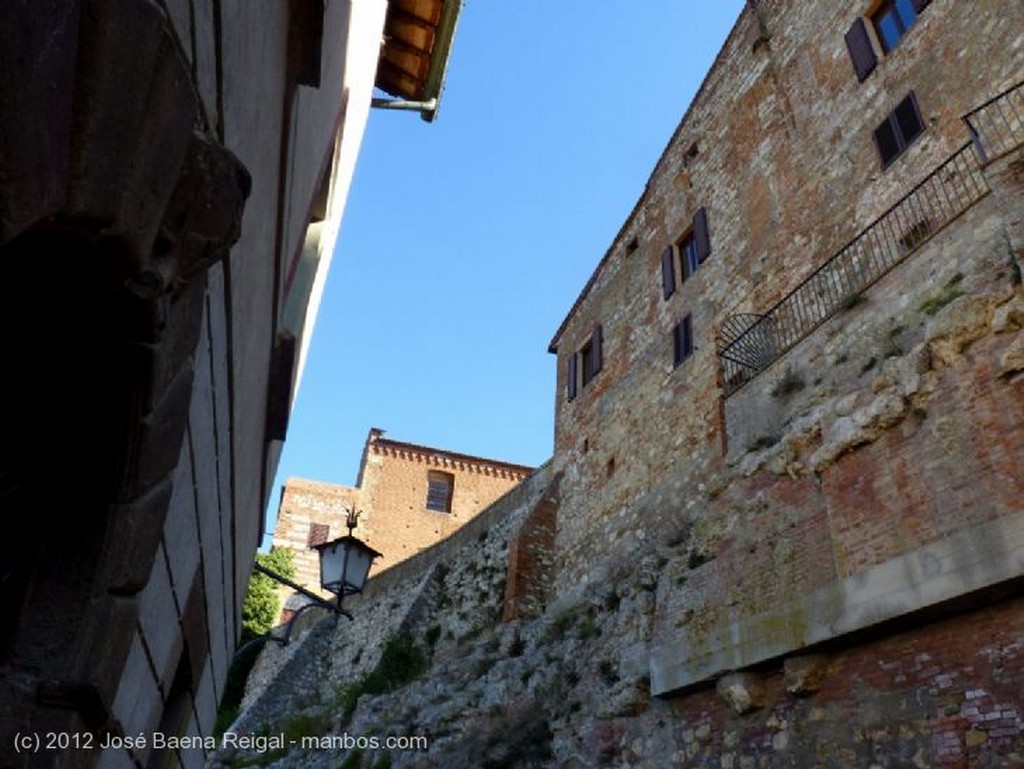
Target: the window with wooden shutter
(668, 272)
(701, 237)
(570, 384)
(591, 356)
(858, 43)
(682, 340)
(688, 261)
(318, 533)
(893, 18)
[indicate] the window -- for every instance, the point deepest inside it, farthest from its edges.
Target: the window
(318, 533)
(892, 19)
(693, 249)
(899, 129)
(682, 340)
(439, 491)
(589, 359)
(688, 260)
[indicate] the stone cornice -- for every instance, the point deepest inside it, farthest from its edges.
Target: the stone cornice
(449, 460)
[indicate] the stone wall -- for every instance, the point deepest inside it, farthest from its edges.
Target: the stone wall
(449, 591)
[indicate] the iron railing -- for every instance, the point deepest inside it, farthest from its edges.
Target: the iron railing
(748, 343)
(997, 125)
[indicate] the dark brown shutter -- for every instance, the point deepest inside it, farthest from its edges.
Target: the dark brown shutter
(920, 5)
(668, 272)
(682, 340)
(317, 534)
(700, 234)
(596, 342)
(571, 377)
(861, 53)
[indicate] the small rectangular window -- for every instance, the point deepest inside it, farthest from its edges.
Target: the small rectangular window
(439, 491)
(688, 257)
(892, 19)
(591, 356)
(587, 359)
(682, 340)
(693, 248)
(899, 130)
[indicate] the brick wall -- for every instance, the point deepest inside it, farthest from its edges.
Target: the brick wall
(531, 561)
(945, 695)
(395, 475)
(392, 495)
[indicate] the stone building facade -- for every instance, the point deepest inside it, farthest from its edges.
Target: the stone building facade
(784, 520)
(173, 178)
(409, 497)
(758, 370)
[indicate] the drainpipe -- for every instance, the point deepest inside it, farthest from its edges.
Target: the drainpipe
(425, 108)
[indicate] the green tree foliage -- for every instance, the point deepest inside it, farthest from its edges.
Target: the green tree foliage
(259, 614)
(262, 606)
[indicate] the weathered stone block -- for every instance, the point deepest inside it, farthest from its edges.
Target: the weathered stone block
(743, 692)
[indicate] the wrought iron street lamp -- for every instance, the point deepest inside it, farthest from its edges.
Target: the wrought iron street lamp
(344, 568)
(345, 563)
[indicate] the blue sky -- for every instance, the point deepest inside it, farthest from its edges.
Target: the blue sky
(466, 241)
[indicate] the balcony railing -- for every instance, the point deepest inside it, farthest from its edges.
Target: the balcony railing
(997, 125)
(749, 343)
